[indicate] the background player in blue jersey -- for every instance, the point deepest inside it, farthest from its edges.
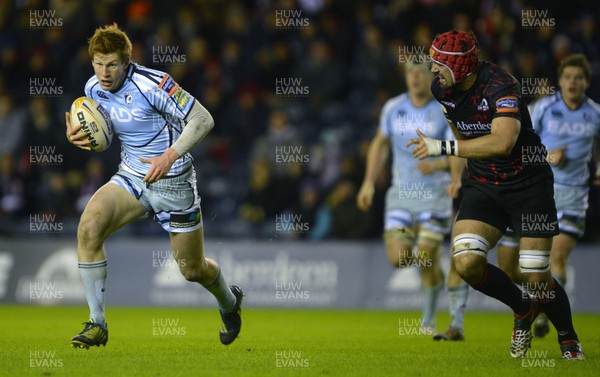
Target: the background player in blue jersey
(509, 183)
(158, 123)
(418, 208)
(568, 123)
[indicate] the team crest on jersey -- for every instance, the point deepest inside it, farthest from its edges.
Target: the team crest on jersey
(101, 94)
(508, 104)
(483, 106)
(168, 85)
(557, 113)
(129, 99)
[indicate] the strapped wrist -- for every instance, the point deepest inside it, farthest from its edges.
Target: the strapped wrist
(449, 148)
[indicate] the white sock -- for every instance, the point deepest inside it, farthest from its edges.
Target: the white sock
(93, 275)
(430, 298)
(220, 289)
(458, 303)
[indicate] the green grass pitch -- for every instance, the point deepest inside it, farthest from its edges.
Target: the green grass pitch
(184, 342)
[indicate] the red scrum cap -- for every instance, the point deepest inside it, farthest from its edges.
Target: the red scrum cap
(458, 51)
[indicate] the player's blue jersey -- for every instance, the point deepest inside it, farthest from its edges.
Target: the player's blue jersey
(576, 129)
(148, 112)
(399, 121)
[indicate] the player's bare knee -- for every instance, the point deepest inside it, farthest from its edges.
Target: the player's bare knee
(428, 252)
(429, 240)
(469, 267)
(91, 231)
(399, 246)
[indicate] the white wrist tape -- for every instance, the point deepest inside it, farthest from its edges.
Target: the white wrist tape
(449, 148)
(441, 147)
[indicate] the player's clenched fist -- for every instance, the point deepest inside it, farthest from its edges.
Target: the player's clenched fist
(79, 139)
(364, 198)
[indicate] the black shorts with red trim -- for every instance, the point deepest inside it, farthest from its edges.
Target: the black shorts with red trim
(528, 208)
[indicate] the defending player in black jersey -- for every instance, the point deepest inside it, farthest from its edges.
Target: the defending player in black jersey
(509, 183)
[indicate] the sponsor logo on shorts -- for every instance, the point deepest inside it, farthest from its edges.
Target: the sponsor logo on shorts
(185, 220)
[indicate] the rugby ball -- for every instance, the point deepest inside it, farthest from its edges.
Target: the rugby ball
(94, 121)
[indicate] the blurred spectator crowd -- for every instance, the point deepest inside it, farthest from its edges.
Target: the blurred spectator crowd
(295, 88)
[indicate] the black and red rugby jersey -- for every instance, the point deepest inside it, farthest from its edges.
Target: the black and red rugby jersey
(495, 93)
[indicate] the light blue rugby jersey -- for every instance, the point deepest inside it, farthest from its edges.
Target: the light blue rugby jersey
(576, 129)
(399, 121)
(148, 112)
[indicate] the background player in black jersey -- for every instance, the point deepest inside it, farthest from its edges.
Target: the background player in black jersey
(509, 183)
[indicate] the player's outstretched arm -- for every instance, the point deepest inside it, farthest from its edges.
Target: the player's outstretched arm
(199, 122)
(379, 150)
(498, 143)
